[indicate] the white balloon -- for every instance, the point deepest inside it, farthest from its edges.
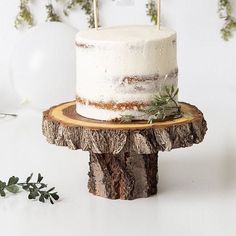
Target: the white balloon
(43, 65)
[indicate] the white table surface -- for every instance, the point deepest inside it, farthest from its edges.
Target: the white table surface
(197, 188)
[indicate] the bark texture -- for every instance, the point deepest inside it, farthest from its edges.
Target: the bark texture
(124, 176)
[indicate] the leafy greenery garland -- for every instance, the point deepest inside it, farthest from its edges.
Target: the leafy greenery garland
(51, 14)
(224, 10)
(25, 17)
(152, 11)
(225, 13)
(86, 5)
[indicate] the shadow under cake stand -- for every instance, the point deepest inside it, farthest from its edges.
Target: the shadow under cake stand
(123, 157)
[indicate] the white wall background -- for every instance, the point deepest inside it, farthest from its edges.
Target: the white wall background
(207, 63)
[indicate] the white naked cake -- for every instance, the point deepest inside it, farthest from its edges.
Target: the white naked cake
(121, 69)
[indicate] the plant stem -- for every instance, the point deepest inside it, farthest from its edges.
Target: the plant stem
(8, 114)
(176, 104)
(32, 183)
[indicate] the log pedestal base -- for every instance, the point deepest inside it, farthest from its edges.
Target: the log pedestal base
(123, 157)
(123, 176)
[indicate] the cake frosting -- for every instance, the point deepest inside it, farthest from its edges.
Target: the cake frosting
(120, 69)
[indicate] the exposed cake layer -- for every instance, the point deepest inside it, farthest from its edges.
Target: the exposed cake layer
(103, 114)
(123, 65)
(127, 88)
(114, 106)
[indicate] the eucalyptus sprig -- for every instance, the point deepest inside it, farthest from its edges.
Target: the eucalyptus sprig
(164, 104)
(151, 10)
(86, 6)
(51, 13)
(37, 190)
(225, 13)
(24, 16)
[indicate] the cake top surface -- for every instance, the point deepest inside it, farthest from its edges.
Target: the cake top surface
(125, 34)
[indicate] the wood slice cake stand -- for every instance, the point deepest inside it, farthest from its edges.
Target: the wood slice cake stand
(123, 157)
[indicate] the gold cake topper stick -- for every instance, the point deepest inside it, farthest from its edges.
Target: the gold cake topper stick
(158, 14)
(95, 10)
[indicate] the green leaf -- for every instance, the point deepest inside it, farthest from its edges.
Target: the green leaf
(13, 180)
(40, 178)
(2, 185)
(41, 198)
(176, 92)
(55, 196)
(2, 193)
(42, 186)
(168, 90)
(26, 187)
(30, 196)
(13, 188)
(51, 200)
(34, 193)
(172, 89)
(29, 178)
(51, 189)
